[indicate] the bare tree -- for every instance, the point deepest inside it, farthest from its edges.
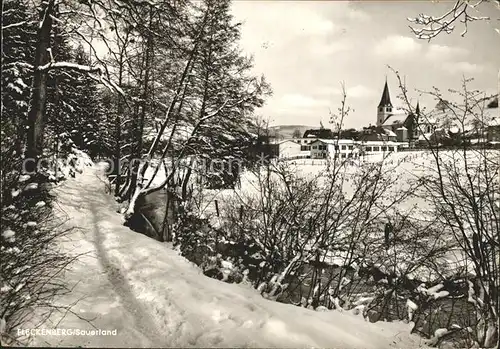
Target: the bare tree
(202, 109)
(462, 11)
(429, 28)
(463, 189)
(296, 133)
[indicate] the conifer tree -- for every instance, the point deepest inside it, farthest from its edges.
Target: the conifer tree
(18, 35)
(225, 83)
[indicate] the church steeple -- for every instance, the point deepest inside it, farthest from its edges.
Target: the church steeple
(417, 109)
(384, 109)
(385, 101)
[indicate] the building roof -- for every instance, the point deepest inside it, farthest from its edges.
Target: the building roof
(398, 117)
(326, 141)
(390, 133)
(394, 119)
(493, 102)
(494, 122)
(287, 140)
(385, 101)
(333, 141)
(318, 133)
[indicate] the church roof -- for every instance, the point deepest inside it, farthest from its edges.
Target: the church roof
(399, 116)
(390, 133)
(385, 101)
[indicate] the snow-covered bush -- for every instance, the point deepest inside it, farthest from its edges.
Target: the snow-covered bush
(299, 238)
(305, 241)
(31, 262)
(462, 189)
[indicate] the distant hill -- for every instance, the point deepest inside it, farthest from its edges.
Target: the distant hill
(286, 131)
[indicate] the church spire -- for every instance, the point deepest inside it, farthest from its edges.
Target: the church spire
(385, 101)
(417, 109)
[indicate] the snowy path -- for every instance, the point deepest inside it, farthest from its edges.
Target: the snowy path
(154, 297)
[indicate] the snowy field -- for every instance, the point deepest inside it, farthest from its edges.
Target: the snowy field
(404, 167)
(153, 297)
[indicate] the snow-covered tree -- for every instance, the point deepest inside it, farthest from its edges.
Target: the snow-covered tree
(462, 11)
(210, 109)
(222, 81)
(463, 187)
(470, 210)
(18, 35)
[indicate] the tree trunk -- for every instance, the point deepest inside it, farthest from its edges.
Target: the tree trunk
(39, 90)
(185, 180)
(118, 130)
(140, 129)
(118, 150)
(169, 218)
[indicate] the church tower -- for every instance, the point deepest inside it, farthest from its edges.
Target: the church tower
(384, 108)
(414, 123)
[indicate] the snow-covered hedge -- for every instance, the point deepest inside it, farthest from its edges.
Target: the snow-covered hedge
(31, 261)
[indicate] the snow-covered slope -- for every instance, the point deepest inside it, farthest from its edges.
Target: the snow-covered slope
(154, 297)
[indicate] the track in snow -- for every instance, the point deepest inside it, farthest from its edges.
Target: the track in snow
(154, 297)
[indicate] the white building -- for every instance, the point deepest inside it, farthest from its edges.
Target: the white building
(305, 142)
(290, 149)
(374, 147)
(333, 148)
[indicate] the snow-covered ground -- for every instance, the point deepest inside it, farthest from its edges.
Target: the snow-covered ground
(404, 167)
(153, 297)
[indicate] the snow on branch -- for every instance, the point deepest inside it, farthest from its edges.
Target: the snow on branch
(18, 64)
(148, 189)
(84, 69)
(432, 26)
(69, 65)
(13, 25)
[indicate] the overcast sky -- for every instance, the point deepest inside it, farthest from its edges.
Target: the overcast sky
(306, 48)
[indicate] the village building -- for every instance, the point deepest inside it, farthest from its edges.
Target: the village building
(290, 149)
(394, 131)
(347, 148)
(335, 148)
(305, 143)
(493, 133)
(493, 124)
(374, 147)
(403, 126)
